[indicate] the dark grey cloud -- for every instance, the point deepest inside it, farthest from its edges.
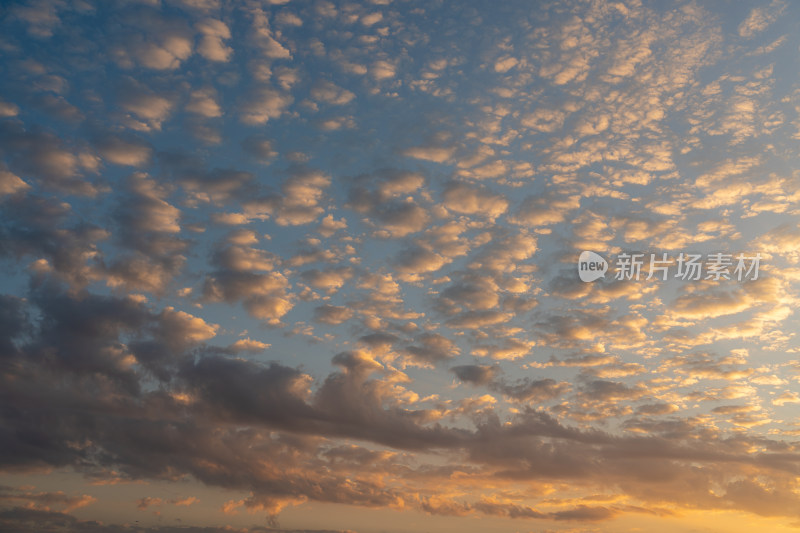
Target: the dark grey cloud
(476, 374)
(525, 389)
(247, 274)
(259, 147)
(332, 314)
(387, 198)
(65, 382)
(374, 340)
(203, 184)
(41, 154)
(25, 520)
(41, 228)
(432, 348)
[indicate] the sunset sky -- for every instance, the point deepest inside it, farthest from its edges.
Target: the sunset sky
(312, 266)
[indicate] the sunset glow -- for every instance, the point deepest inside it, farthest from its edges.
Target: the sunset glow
(399, 266)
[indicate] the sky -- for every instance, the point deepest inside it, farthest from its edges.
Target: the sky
(314, 266)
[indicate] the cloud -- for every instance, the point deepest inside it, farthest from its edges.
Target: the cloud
(148, 106)
(302, 193)
(28, 521)
(149, 227)
(259, 147)
(760, 18)
(263, 104)
(292, 255)
(330, 280)
(288, 18)
(202, 102)
(212, 45)
(7, 109)
(430, 153)
(249, 345)
(509, 348)
(47, 157)
(477, 374)
(418, 261)
(204, 185)
(151, 39)
(505, 252)
(470, 292)
(786, 398)
(371, 18)
(41, 16)
(329, 92)
(462, 198)
(544, 120)
(431, 348)
(545, 210)
(128, 150)
(354, 402)
(37, 229)
(522, 390)
(44, 501)
(332, 314)
(378, 197)
(382, 70)
(505, 64)
(247, 274)
(330, 225)
(11, 183)
(262, 36)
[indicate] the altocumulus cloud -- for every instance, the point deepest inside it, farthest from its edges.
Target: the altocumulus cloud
(268, 261)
